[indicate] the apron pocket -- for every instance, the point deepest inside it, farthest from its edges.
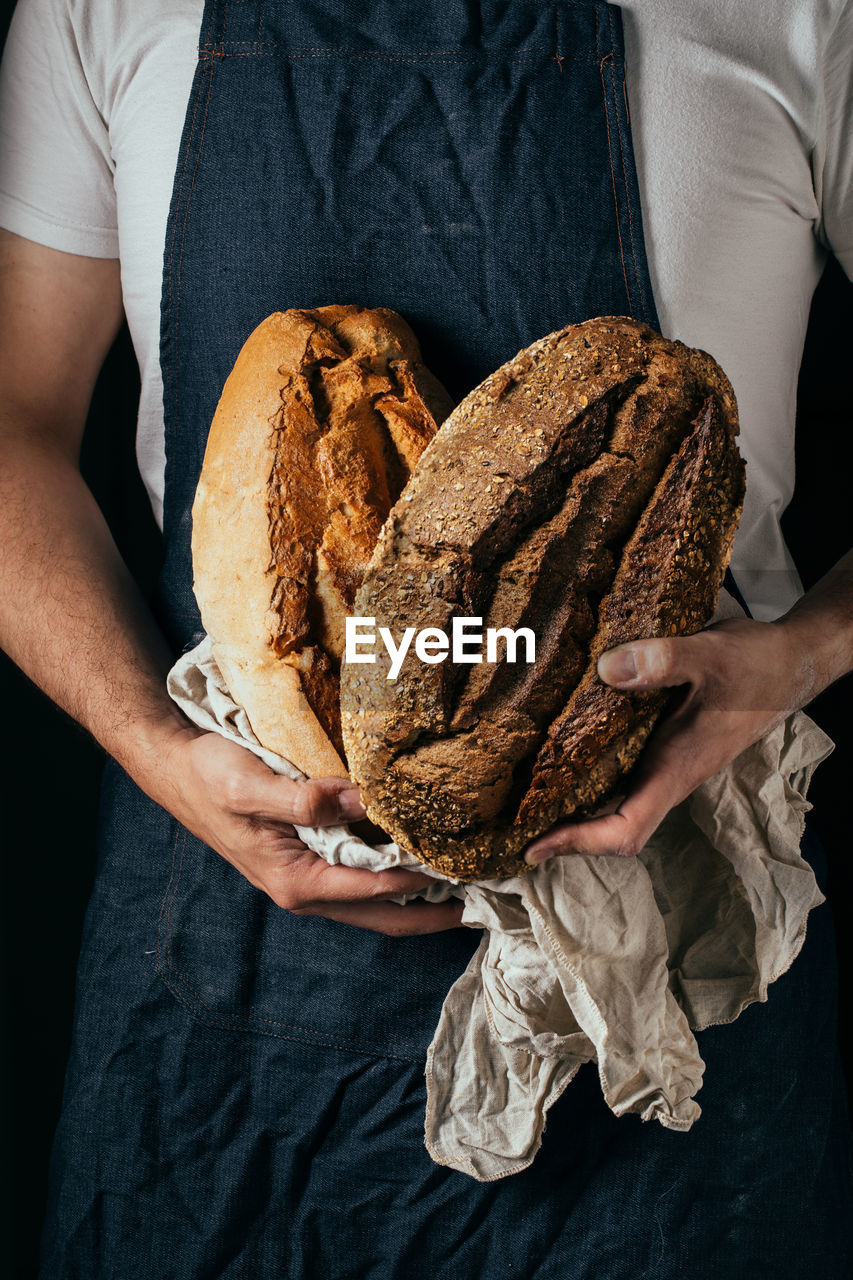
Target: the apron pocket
(241, 963)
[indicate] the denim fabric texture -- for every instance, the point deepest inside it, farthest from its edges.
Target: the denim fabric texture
(245, 1097)
(189, 1150)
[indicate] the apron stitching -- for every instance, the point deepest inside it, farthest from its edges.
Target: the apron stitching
(187, 151)
(358, 1047)
(379, 53)
(606, 58)
(627, 202)
(211, 20)
(237, 1017)
(172, 902)
(294, 57)
(241, 1018)
(625, 178)
(166, 898)
(223, 49)
(176, 319)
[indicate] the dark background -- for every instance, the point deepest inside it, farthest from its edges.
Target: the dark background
(51, 767)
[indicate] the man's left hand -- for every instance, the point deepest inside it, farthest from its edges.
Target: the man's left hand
(738, 679)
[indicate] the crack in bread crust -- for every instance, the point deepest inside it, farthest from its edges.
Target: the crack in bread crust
(612, 490)
(351, 427)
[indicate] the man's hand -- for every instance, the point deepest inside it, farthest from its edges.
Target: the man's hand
(232, 801)
(738, 679)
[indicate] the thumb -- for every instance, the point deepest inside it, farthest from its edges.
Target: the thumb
(650, 664)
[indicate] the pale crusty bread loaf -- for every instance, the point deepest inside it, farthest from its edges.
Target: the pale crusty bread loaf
(589, 490)
(319, 425)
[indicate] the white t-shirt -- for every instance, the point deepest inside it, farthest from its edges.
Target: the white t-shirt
(738, 110)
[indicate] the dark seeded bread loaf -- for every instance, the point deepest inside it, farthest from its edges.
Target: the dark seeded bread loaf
(590, 490)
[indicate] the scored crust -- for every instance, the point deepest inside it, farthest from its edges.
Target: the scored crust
(319, 425)
(590, 490)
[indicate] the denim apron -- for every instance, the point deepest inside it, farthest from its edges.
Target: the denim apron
(245, 1096)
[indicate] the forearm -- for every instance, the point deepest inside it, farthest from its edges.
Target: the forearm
(819, 630)
(71, 615)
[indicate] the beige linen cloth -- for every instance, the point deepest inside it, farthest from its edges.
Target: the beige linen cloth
(604, 959)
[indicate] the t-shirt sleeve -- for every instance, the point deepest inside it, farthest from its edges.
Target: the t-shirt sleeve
(56, 170)
(834, 153)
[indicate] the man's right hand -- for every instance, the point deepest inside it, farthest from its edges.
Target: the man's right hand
(229, 798)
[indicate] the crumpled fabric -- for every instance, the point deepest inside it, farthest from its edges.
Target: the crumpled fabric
(612, 960)
(197, 685)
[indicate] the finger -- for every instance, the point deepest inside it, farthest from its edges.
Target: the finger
(392, 919)
(314, 802)
(323, 882)
(663, 782)
(614, 835)
(653, 664)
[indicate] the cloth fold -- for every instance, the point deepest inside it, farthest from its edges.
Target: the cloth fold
(612, 960)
